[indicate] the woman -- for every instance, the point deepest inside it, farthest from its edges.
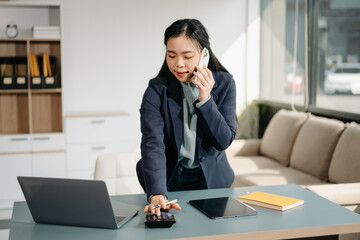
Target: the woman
(186, 124)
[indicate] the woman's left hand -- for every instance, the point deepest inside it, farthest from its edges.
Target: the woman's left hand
(205, 82)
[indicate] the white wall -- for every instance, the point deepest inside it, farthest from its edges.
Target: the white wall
(112, 48)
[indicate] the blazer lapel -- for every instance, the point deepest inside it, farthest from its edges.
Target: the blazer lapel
(213, 94)
(199, 133)
(175, 104)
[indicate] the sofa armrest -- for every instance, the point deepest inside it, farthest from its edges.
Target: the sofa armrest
(340, 193)
(243, 147)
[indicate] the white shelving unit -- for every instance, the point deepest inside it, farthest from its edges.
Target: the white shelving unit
(32, 142)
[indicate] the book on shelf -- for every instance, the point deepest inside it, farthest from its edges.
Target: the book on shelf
(272, 201)
(34, 66)
(46, 28)
(46, 65)
(6, 69)
(20, 69)
(47, 36)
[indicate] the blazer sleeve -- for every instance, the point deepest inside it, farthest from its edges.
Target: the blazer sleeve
(219, 122)
(152, 142)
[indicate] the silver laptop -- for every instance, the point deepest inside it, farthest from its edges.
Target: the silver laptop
(74, 202)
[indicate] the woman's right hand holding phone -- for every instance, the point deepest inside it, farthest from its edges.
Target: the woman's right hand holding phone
(205, 82)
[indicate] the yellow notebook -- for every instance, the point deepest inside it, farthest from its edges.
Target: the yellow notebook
(272, 201)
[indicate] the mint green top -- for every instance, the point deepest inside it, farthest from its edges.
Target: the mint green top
(187, 155)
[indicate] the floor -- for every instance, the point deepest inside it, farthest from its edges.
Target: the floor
(5, 216)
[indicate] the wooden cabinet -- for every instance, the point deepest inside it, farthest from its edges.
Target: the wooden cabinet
(14, 104)
(31, 110)
(32, 142)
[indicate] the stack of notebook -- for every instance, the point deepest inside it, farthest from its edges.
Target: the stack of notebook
(52, 32)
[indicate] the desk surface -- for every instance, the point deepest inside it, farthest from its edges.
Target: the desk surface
(316, 217)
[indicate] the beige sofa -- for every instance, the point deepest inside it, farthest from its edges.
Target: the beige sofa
(320, 154)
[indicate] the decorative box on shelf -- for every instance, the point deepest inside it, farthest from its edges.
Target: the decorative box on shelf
(50, 82)
(43, 82)
(21, 82)
(13, 73)
(37, 82)
(13, 82)
(7, 82)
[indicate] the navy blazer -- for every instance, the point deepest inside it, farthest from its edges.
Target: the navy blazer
(162, 132)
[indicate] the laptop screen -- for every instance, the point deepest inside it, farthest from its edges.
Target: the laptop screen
(70, 202)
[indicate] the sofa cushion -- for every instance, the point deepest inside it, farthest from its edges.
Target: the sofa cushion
(275, 176)
(343, 194)
(245, 164)
(280, 135)
(315, 145)
(345, 163)
(243, 147)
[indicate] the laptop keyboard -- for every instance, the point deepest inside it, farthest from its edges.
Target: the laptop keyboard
(119, 219)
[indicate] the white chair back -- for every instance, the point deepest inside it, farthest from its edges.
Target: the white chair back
(118, 171)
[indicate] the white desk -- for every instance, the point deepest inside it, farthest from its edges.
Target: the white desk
(317, 217)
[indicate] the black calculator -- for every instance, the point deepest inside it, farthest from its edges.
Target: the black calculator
(165, 220)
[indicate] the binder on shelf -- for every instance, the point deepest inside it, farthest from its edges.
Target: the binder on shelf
(46, 79)
(50, 82)
(45, 70)
(49, 79)
(7, 69)
(13, 73)
(36, 79)
(20, 80)
(34, 66)
(6, 73)
(7, 82)
(36, 82)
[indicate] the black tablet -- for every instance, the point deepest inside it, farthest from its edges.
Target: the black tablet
(222, 207)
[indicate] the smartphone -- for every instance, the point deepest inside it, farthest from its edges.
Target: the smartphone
(204, 59)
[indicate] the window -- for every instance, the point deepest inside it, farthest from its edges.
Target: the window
(332, 35)
(282, 54)
(336, 56)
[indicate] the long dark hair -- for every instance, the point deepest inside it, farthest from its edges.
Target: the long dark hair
(193, 29)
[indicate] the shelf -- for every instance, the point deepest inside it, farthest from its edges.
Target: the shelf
(30, 40)
(27, 111)
(8, 91)
(14, 109)
(13, 48)
(46, 90)
(13, 40)
(43, 40)
(29, 5)
(46, 112)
